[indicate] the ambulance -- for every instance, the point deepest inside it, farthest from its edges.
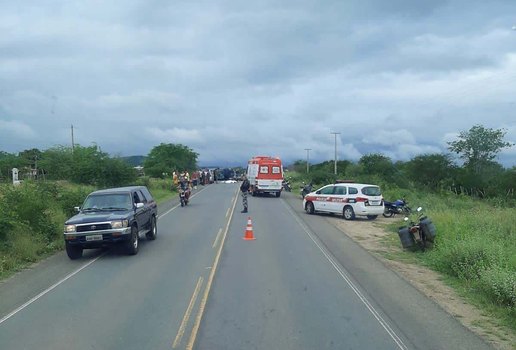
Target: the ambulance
(265, 174)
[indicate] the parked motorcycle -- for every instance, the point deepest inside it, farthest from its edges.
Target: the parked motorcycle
(306, 189)
(419, 233)
(397, 207)
(286, 186)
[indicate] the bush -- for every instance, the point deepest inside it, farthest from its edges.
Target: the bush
(69, 198)
(31, 221)
(501, 284)
(468, 260)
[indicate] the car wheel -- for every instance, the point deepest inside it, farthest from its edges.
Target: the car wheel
(309, 208)
(151, 235)
(372, 217)
(73, 251)
(278, 194)
(348, 213)
(132, 243)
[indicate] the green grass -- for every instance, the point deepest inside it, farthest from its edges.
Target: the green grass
(475, 251)
(32, 218)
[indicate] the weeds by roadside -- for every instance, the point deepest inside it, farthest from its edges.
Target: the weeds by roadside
(32, 217)
(475, 249)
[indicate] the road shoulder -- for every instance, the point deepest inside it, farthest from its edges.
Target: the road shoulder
(371, 236)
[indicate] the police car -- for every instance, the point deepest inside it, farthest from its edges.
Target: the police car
(348, 199)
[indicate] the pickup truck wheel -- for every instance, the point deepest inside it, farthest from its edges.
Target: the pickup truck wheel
(73, 251)
(151, 235)
(278, 194)
(348, 213)
(132, 243)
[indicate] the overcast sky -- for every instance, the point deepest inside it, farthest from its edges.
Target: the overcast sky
(231, 79)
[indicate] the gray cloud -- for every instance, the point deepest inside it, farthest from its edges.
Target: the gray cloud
(231, 79)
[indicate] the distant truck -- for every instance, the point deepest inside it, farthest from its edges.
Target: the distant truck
(265, 174)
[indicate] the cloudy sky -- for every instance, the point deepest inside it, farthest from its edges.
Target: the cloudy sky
(232, 79)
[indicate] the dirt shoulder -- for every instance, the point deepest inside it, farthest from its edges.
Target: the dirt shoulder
(371, 235)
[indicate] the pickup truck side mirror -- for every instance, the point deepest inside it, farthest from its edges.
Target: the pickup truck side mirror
(77, 209)
(139, 205)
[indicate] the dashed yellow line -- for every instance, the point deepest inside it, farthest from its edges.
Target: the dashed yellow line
(217, 238)
(188, 312)
(204, 299)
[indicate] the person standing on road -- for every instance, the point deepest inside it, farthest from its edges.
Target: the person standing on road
(244, 187)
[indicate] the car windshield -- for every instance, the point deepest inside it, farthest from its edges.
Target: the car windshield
(371, 191)
(112, 201)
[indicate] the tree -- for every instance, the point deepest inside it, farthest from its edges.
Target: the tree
(375, 164)
(30, 157)
(57, 163)
(8, 161)
(479, 146)
(165, 158)
(430, 170)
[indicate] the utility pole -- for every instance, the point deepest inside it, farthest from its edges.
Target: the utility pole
(73, 143)
(307, 159)
(335, 133)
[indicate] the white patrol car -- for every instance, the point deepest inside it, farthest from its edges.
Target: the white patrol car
(348, 199)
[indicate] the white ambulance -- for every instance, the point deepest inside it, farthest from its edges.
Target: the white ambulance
(265, 174)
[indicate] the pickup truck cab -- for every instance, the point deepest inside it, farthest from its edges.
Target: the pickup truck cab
(112, 216)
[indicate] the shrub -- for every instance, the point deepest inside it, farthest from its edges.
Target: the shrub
(501, 284)
(467, 259)
(70, 198)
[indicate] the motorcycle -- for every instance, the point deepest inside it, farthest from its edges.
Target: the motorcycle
(286, 185)
(397, 207)
(184, 196)
(419, 233)
(306, 189)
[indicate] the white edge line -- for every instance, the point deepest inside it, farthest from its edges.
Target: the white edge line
(46, 291)
(341, 271)
(20, 308)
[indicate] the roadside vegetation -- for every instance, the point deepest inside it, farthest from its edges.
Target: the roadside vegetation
(55, 181)
(32, 217)
(473, 205)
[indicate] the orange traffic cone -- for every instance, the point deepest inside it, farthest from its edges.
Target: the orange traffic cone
(249, 230)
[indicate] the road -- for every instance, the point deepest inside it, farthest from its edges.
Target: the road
(301, 284)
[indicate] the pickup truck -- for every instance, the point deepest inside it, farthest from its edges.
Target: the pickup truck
(112, 216)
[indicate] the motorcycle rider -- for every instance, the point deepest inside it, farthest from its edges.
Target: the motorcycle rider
(306, 189)
(184, 185)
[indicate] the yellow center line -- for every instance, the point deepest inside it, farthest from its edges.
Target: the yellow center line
(188, 312)
(204, 299)
(217, 238)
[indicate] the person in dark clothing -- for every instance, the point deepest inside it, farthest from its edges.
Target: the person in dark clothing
(244, 188)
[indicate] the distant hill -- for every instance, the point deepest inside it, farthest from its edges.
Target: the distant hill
(134, 160)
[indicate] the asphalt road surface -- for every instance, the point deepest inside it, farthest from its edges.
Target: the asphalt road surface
(301, 284)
